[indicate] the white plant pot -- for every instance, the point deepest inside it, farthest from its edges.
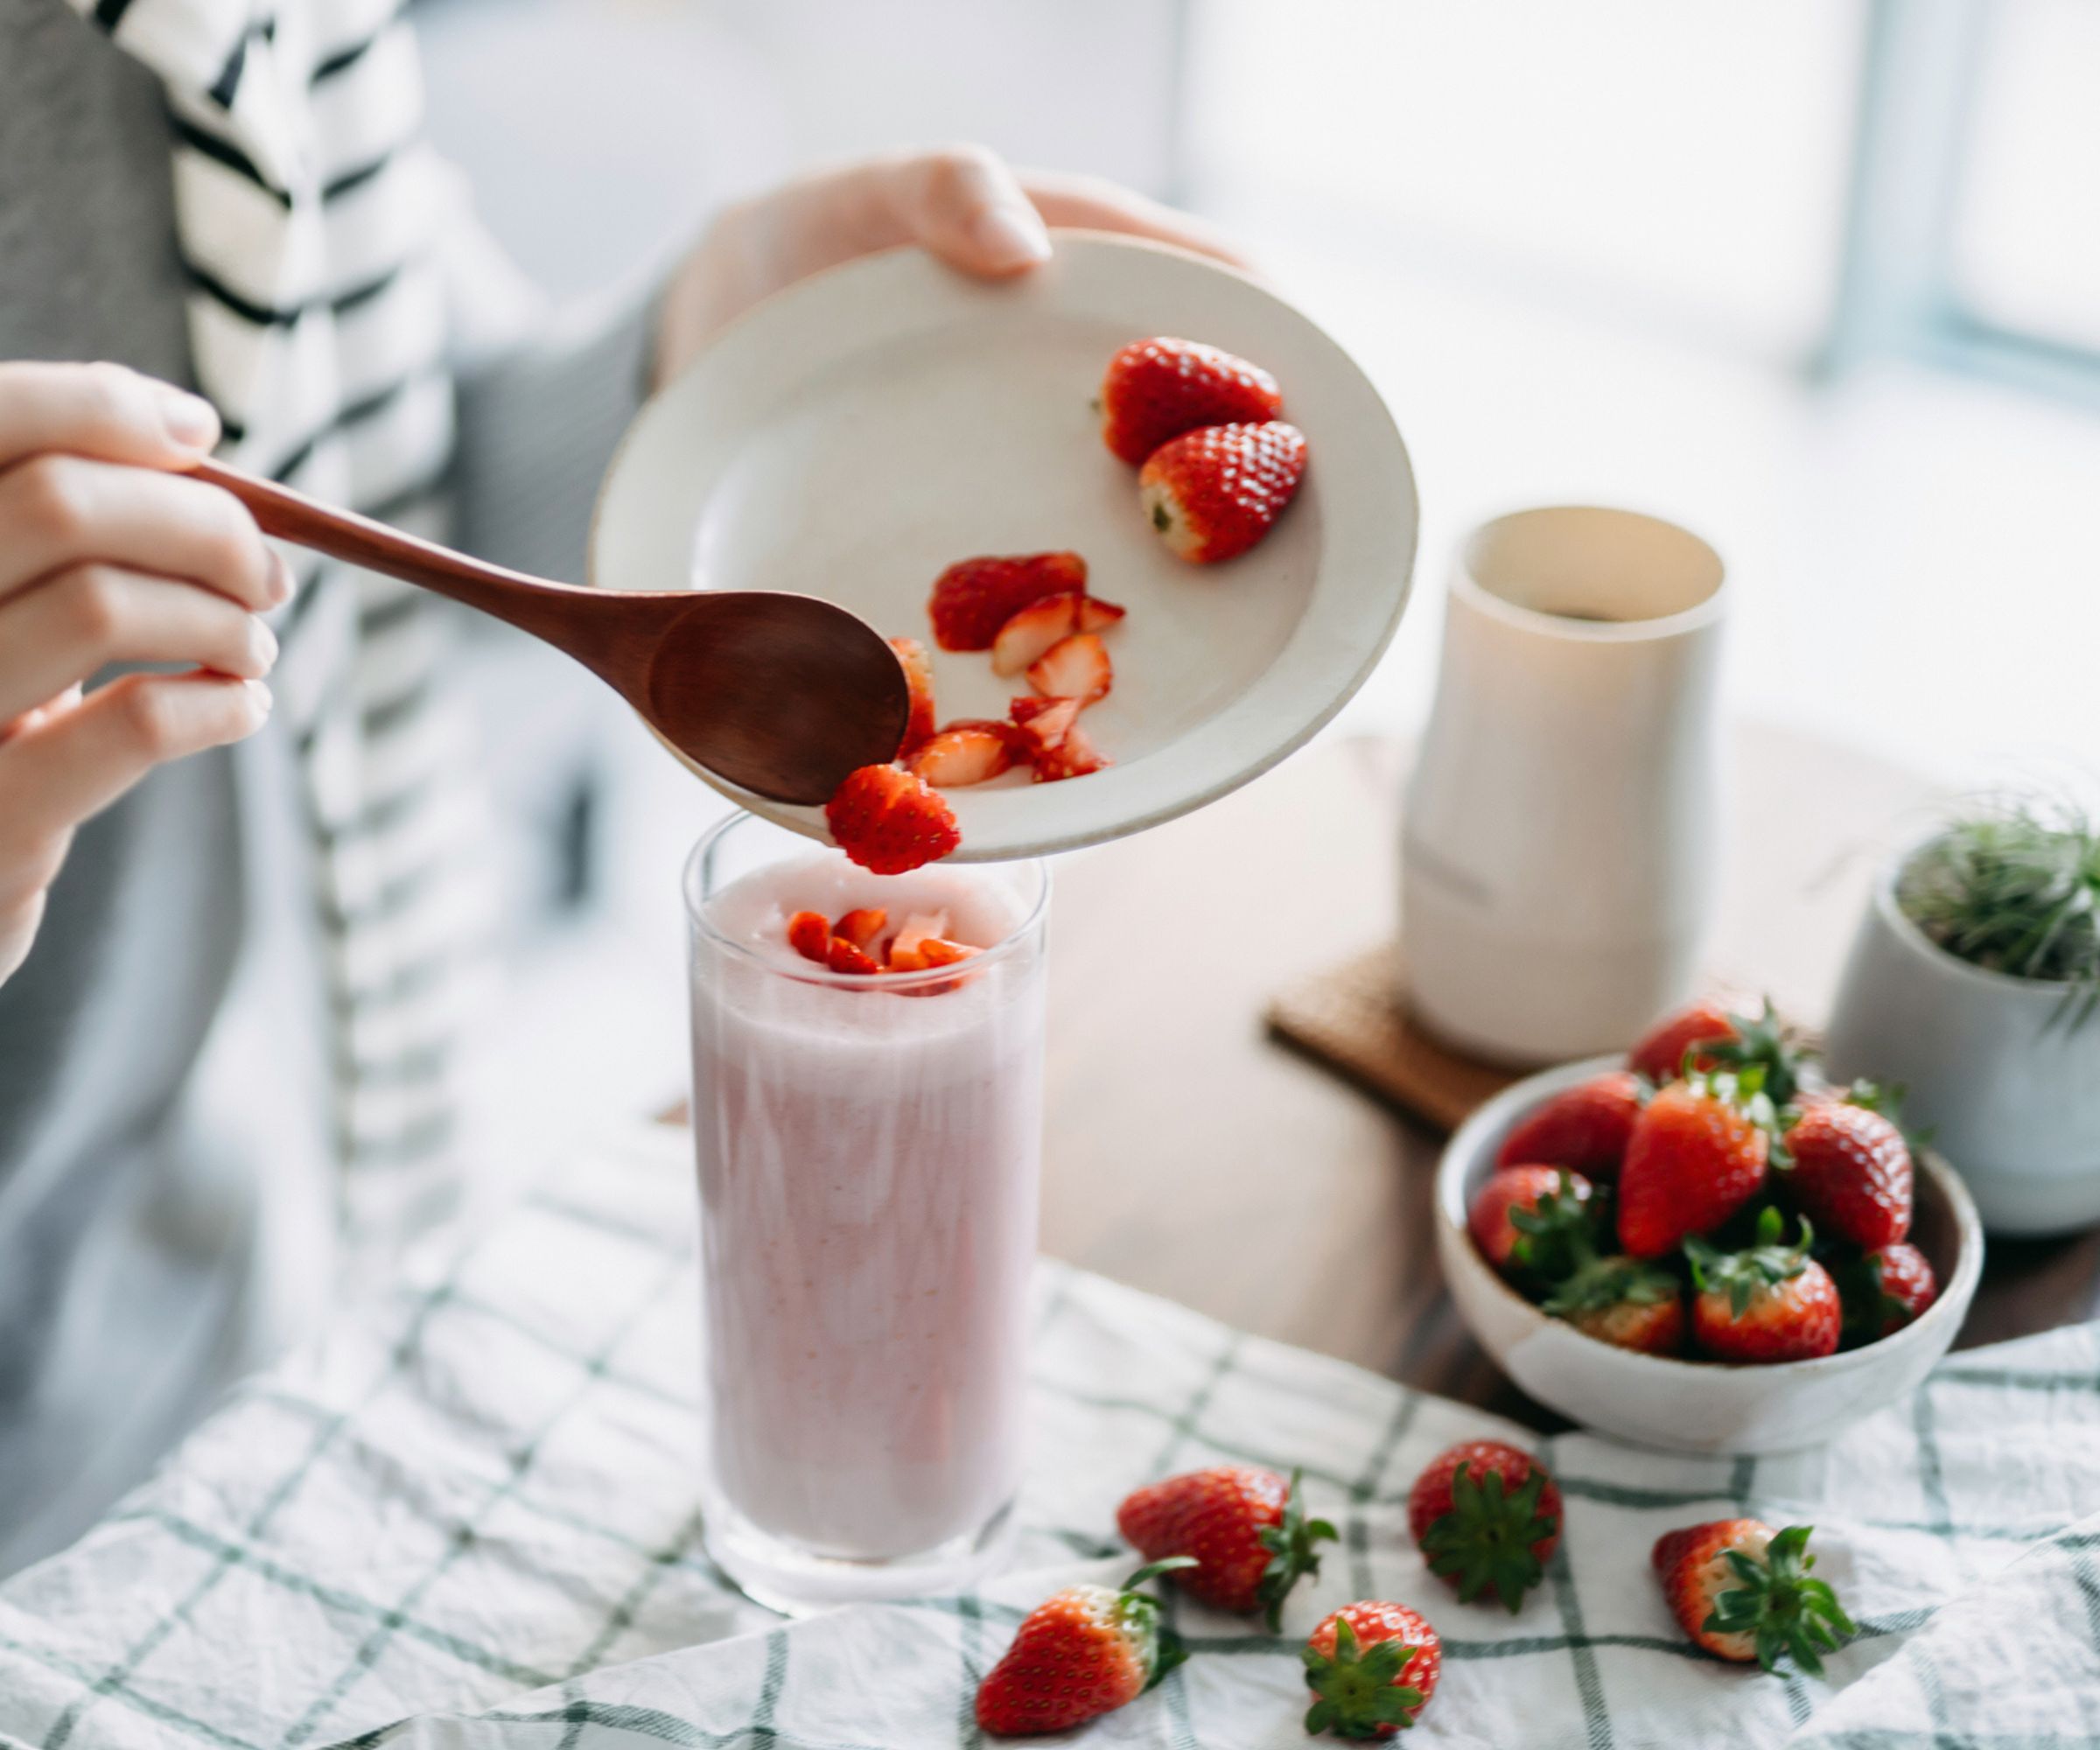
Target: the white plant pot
(2011, 1094)
(1561, 841)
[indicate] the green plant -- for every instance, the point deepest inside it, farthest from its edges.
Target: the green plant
(2015, 888)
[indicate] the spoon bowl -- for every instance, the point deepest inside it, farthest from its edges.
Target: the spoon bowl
(795, 690)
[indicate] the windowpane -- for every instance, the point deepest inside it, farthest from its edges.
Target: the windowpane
(1642, 154)
(2026, 244)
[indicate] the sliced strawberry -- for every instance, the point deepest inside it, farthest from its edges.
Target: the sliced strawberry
(887, 820)
(845, 957)
(1095, 615)
(1033, 631)
(1212, 493)
(862, 926)
(958, 756)
(939, 951)
(1073, 757)
(1157, 389)
(809, 936)
(919, 672)
(974, 597)
(1017, 744)
(905, 954)
(1043, 724)
(1074, 668)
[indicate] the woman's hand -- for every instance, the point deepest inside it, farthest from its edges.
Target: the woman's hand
(109, 555)
(962, 203)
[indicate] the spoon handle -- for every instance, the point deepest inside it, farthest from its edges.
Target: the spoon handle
(546, 610)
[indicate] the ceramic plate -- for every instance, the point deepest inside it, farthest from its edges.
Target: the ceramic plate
(854, 435)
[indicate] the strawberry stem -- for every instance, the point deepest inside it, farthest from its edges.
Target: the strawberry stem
(1291, 1552)
(1151, 1571)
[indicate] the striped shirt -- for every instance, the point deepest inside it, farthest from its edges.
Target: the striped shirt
(232, 1045)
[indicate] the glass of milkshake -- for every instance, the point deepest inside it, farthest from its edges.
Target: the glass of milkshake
(868, 1150)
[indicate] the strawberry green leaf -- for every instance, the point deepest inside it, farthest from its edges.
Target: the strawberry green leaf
(1742, 1276)
(1484, 1542)
(1359, 1694)
(1786, 1613)
(1171, 1651)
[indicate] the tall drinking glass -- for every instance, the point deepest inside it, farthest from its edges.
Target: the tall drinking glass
(868, 1152)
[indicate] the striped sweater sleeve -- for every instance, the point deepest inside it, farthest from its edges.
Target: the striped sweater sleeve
(540, 413)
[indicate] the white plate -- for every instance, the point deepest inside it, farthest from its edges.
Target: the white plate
(854, 435)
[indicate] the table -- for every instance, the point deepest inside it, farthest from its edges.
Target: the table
(1190, 1154)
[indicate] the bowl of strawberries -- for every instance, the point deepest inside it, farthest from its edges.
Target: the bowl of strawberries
(1704, 1246)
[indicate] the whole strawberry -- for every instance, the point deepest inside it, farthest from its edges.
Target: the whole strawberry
(1487, 1516)
(1157, 389)
(1080, 1653)
(1850, 1169)
(1698, 1153)
(1213, 492)
(1742, 1591)
(1625, 1302)
(1372, 1668)
(1660, 1054)
(889, 821)
(1770, 1303)
(1884, 1290)
(974, 597)
(1245, 1528)
(1585, 1127)
(1527, 1220)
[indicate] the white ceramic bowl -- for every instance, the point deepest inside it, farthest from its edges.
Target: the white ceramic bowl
(1693, 1406)
(854, 434)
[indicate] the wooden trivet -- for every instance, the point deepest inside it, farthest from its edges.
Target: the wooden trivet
(1351, 1017)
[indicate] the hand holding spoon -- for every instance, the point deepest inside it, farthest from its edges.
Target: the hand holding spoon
(780, 695)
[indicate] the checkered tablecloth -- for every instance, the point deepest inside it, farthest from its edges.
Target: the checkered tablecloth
(466, 1518)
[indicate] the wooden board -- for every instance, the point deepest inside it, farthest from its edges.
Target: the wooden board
(1351, 1016)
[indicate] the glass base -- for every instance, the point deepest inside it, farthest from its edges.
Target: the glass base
(786, 1578)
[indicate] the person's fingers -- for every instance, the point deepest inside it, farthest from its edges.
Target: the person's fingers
(71, 626)
(57, 773)
(23, 877)
(101, 411)
(965, 205)
(1096, 204)
(58, 510)
(18, 931)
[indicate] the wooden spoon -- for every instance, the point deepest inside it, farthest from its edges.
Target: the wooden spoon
(781, 695)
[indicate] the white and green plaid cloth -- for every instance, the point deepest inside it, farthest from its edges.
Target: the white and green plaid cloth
(466, 1517)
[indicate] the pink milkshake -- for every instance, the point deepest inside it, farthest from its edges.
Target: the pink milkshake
(868, 1152)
